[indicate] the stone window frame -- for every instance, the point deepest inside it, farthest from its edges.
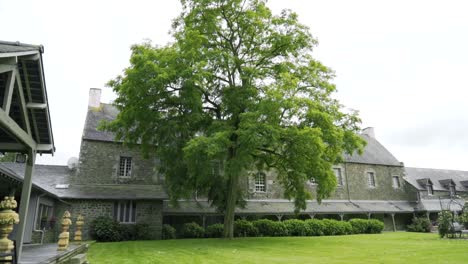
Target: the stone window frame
(125, 161)
(371, 184)
(452, 190)
(398, 180)
(120, 216)
(260, 182)
(340, 182)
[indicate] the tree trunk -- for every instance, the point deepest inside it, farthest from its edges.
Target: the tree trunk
(230, 206)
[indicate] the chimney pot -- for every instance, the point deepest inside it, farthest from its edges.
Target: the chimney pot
(94, 98)
(369, 131)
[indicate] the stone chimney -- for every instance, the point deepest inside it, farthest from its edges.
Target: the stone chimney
(94, 98)
(369, 131)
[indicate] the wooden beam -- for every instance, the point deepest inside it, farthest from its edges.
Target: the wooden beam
(10, 84)
(9, 125)
(36, 106)
(24, 202)
(33, 57)
(23, 108)
(6, 68)
(16, 54)
(28, 93)
(17, 147)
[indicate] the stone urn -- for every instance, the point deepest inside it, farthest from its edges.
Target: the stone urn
(79, 225)
(64, 237)
(8, 218)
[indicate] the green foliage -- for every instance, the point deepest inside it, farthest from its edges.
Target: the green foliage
(420, 224)
(237, 90)
(7, 157)
(316, 227)
(297, 227)
(359, 225)
(463, 217)
(215, 230)
(105, 229)
(270, 228)
(127, 232)
(375, 226)
(168, 232)
(364, 226)
(244, 228)
(445, 220)
(192, 230)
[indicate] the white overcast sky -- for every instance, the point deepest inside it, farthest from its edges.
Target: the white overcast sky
(402, 64)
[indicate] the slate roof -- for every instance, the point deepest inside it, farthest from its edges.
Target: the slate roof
(47, 177)
(419, 176)
(287, 207)
(12, 47)
(106, 112)
(374, 152)
(436, 205)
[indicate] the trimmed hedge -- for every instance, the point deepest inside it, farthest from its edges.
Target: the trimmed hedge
(270, 228)
(192, 230)
(214, 231)
(168, 232)
(291, 227)
(244, 228)
(105, 229)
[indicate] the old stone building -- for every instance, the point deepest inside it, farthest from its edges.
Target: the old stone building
(112, 180)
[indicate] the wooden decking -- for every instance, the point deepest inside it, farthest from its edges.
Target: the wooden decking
(48, 254)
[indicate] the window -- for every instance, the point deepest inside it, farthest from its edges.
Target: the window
(452, 190)
(125, 169)
(260, 182)
(125, 212)
(371, 179)
(430, 190)
(396, 182)
(44, 215)
(339, 177)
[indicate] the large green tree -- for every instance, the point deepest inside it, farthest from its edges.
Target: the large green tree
(237, 91)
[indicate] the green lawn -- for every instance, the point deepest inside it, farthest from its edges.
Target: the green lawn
(400, 247)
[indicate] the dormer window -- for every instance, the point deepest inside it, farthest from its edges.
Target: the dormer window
(125, 168)
(339, 177)
(452, 190)
(430, 190)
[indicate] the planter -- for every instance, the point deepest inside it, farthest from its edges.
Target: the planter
(8, 218)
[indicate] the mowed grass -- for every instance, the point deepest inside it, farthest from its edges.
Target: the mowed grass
(399, 247)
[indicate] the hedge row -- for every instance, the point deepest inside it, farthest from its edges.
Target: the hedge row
(269, 228)
(105, 229)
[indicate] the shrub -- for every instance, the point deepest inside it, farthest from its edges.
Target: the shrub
(244, 228)
(192, 230)
(359, 225)
(105, 229)
(375, 226)
(332, 227)
(215, 230)
(445, 221)
(127, 232)
(421, 224)
(315, 227)
(267, 227)
(346, 227)
(296, 227)
(168, 232)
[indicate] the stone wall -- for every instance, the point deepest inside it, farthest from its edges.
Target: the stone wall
(354, 180)
(99, 164)
(148, 212)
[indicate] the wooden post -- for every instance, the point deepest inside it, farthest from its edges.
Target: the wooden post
(342, 217)
(204, 221)
(393, 221)
(279, 217)
(312, 216)
(24, 202)
(369, 216)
